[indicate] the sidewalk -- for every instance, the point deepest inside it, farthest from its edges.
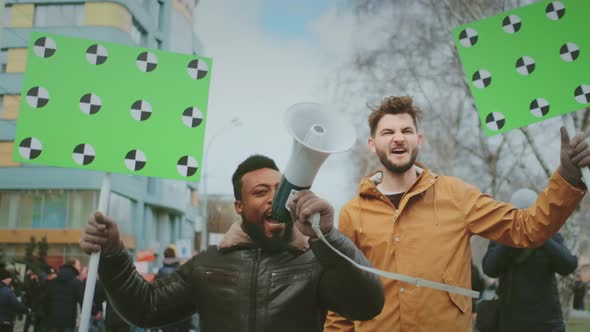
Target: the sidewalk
(580, 314)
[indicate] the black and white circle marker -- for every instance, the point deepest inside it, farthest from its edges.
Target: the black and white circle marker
(525, 65)
(582, 94)
(481, 79)
(495, 121)
(187, 166)
(96, 54)
(468, 37)
(90, 104)
(555, 10)
(146, 61)
(30, 148)
(141, 110)
(83, 154)
(37, 97)
(511, 24)
(44, 47)
(197, 69)
(135, 160)
(192, 117)
(569, 52)
(539, 107)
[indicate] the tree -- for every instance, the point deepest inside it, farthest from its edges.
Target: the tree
(43, 247)
(29, 252)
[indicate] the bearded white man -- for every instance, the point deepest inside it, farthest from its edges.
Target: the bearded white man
(408, 220)
(263, 276)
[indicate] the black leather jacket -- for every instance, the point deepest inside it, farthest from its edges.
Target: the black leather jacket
(240, 287)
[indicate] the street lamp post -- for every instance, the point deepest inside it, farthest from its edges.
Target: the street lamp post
(235, 122)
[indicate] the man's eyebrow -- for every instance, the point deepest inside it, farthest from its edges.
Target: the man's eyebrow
(260, 186)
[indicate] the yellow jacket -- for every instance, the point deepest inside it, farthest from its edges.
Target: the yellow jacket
(428, 237)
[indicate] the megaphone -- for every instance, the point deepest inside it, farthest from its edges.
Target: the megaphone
(317, 132)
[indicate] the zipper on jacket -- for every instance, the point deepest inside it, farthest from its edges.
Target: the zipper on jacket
(253, 286)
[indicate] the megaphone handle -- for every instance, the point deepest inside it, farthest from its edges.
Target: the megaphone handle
(315, 220)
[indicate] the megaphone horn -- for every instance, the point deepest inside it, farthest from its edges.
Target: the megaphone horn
(317, 132)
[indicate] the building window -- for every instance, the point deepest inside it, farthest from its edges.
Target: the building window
(137, 34)
(160, 16)
(4, 209)
(59, 15)
(3, 59)
(81, 204)
(181, 33)
(7, 16)
(50, 210)
(121, 210)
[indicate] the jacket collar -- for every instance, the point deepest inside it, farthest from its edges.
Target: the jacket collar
(368, 185)
(236, 237)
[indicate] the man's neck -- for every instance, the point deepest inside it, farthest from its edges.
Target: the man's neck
(398, 182)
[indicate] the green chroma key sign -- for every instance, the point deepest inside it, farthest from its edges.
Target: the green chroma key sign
(109, 107)
(528, 64)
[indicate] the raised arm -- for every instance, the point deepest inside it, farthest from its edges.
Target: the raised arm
(533, 226)
(345, 289)
(167, 300)
(335, 322)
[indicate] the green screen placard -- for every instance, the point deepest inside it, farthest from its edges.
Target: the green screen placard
(110, 107)
(528, 64)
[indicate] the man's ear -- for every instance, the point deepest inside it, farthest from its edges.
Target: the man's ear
(371, 143)
(239, 207)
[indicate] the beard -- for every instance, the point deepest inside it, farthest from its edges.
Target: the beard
(390, 166)
(273, 244)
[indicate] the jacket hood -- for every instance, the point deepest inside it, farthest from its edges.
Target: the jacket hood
(171, 261)
(368, 185)
(236, 236)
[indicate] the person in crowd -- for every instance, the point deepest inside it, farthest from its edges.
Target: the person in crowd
(529, 299)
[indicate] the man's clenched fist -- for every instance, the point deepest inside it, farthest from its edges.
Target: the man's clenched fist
(101, 233)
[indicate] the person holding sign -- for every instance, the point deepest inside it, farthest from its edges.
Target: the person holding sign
(408, 220)
(264, 275)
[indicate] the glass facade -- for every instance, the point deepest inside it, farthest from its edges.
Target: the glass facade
(7, 16)
(3, 59)
(46, 209)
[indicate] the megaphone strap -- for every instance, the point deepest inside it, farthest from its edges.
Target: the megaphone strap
(315, 222)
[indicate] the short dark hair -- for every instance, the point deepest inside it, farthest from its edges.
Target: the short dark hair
(393, 105)
(252, 163)
(169, 253)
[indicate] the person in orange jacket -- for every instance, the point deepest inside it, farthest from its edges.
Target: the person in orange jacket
(409, 220)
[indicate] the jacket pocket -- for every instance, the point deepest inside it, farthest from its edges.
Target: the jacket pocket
(286, 277)
(462, 302)
(221, 275)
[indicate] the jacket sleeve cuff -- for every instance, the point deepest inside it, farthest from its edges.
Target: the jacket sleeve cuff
(565, 184)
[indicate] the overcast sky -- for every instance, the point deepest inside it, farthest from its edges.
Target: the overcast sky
(266, 57)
